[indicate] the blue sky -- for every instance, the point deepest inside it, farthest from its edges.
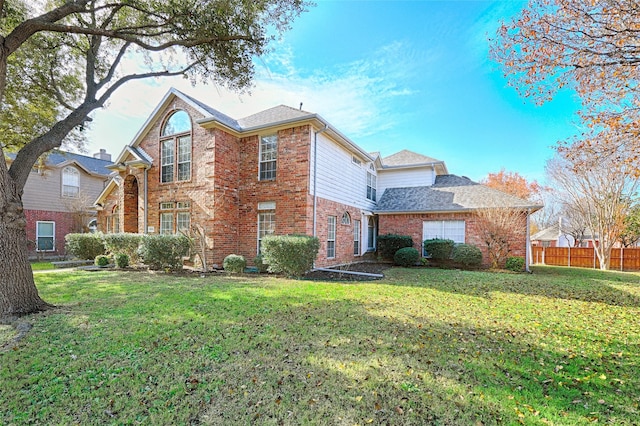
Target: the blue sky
(390, 75)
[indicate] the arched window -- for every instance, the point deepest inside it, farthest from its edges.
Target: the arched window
(346, 219)
(70, 182)
(179, 122)
(175, 148)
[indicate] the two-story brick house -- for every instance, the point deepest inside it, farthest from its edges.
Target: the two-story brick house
(58, 198)
(283, 171)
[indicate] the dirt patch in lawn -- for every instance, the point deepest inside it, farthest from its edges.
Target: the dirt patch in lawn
(337, 273)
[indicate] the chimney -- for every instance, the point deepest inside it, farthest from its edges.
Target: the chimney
(102, 155)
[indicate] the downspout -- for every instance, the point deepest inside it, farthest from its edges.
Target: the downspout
(315, 176)
(528, 248)
(146, 204)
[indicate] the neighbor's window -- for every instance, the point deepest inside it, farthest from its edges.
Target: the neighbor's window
(70, 182)
(371, 186)
(268, 157)
(175, 148)
(444, 229)
(266, 226)
(45, 236)
(331, 237)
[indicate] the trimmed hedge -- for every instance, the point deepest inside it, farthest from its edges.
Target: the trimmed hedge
(234, 263)
(467, 255)
(389, 244)
(515, 264)
(439, 249)
(84, 246)
(164, 251)
(406, 256)
(292, 255)
(126, 243)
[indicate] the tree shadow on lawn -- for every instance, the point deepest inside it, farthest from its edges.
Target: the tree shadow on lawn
(339, 354)
(342, 362)
(550, 282)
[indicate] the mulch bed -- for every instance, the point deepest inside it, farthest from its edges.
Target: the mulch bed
(368, 267)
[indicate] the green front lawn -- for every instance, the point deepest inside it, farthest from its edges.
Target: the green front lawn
(422, 346)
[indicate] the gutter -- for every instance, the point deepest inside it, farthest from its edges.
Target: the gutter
(340, 271)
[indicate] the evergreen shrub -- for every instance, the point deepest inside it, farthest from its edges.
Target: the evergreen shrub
(292, 255)
(439, 249)
(389, 244)
(406, 256)
(234, 263)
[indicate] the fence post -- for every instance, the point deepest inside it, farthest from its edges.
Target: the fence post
(621, 258)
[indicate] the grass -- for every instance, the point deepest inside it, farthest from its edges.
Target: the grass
(41, 266)
(422, 346)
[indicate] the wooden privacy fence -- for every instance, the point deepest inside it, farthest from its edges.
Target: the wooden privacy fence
(622, 259)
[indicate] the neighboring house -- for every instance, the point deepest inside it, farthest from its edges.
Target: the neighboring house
(561, 235)
(280, 171)
(58, 198)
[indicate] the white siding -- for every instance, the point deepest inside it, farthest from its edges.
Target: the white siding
(339, 179)
(44, 192)
(404, 178)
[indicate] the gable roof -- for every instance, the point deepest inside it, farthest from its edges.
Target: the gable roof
(59, 158)
(449, 193)
(276, 115)
(406, 157)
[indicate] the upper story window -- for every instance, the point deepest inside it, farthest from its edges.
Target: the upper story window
(175, 148)
(268, 157)
(70, 182)
(371, 186)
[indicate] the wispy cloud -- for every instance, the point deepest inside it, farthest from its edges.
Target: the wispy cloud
(357, 97)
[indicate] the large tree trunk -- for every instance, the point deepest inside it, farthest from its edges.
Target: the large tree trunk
(18, 292)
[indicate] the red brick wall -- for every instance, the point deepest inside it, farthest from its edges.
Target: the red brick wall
(344, 233)
(289, 190)
(411, 224)
(64, 224)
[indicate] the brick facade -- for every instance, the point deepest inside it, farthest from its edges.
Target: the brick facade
(65, 223)
(411, 224)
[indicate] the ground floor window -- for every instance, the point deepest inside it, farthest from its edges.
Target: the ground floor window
(175, 217)
(266, 226)
(331, 237)
(356, 237)
(45, 236)
(444, 229)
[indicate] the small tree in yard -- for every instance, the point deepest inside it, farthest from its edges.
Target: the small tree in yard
(61, 60)
(497, 227)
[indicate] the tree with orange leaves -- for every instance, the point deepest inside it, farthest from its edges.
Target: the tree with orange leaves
(592, 47)
(513, 183)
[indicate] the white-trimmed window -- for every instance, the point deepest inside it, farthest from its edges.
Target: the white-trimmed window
(371, 186)
(175, 217)
(70, 182)
(266, 226)
(331, 237)
(356, 237)
(45, 236)
(371, 234)
(175, 148)
(113, 220)
(444, 229)
(346, 218)
(268, 157)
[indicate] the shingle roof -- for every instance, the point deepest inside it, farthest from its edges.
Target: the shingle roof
(406, 157)
(448, 193)
(214, 113)
(92, 165)
(273, 115)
